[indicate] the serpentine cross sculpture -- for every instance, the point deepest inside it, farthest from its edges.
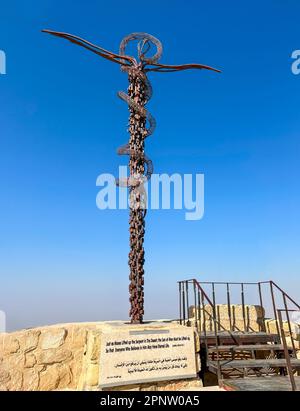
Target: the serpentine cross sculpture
(141, 126)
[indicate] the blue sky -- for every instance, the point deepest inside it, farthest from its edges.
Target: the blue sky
(61, 259)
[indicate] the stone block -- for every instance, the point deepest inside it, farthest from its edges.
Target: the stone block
(237, 319)
(11, 345)
(92, 376)
(30, 360)
(54, 355)
(49, 379)
(53, 338)
(31, 380)
(16, 381)
(4, 377)
(65, 375)
(28, 339)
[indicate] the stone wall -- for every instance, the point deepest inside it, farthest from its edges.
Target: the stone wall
(61, 357)
(252, 318)
(292, 340)
(46, 358)
(66, 356)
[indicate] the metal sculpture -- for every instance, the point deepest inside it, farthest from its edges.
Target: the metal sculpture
(140, 166)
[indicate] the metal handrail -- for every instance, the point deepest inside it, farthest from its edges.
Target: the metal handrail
(285, 346)
(214, 317)
(272, 285)
(183, 288)
(233, 326)
(286, 295)
(204, 297)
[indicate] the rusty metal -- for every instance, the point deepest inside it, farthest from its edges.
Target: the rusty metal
(263, 325)
(183, 303)
(141, 125)
(286, 351)
(229, 306)
(274, 307)
(286, 295)
(243, 307)
(180, 304)
(289, 324)
(272, 302)
(273, 299)
(199, 308)
(195, 307)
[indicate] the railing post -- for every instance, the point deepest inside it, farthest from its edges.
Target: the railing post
(187, 303)
(243, 305)
(216, 338)
(274, 307)
(195, 306)
(213, 293)
(229, 307)
(183, 304)
(263, 327)
(199, 313)
(180, 307)
(214, 301)
(286, 353)
(289, 325)
(204, 327)
(204, 320)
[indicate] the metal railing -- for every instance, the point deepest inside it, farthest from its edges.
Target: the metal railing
(269, 296)
(205, 307)
(285, 345)
(201, 304)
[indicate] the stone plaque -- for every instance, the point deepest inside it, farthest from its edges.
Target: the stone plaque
(137, 356)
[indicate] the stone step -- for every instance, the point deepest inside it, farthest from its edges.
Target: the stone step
(265, 383)
(251, 347)
(242, 364)
(225, 337)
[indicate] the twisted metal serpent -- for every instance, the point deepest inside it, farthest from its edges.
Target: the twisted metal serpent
(141, 126)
